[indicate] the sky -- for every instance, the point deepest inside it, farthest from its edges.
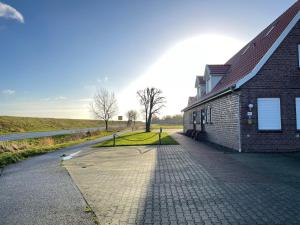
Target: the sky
(56, 54)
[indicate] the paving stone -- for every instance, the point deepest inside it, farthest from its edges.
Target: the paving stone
(191, 183)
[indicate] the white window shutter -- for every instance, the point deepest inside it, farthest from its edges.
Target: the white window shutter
(298, 113)
(269, 114)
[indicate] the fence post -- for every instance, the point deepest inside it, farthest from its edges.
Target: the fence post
(114, 139)
(160, 131)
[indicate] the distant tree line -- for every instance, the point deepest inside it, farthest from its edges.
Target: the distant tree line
(175, 119)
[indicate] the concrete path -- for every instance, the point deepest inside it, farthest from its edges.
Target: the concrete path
(19, 136)
(39, 191)
(190, 183)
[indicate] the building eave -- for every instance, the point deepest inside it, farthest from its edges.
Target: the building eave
(270, 52)
(217, 95)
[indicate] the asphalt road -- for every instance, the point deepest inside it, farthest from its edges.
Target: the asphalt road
(18, 136)
(40, 191)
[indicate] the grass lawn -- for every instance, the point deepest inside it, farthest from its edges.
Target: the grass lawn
(14, 151)
(13, 124)
(166, 126)
(139, 138)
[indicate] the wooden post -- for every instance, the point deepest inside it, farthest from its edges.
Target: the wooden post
(114, 139)
(160, 131)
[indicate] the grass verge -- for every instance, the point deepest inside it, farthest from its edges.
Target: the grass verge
(139, 138)
(13, 124)
(166, 126)
(14, 151)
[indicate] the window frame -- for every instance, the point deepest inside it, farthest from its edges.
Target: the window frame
(296, 117)
(264, 130)
(198, 117)
(210, 112)
(206, 117)
(298, 56)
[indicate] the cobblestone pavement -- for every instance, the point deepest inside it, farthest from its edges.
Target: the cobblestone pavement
(190, 183)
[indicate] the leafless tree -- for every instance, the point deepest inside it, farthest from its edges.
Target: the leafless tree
(104, 105)
(152, 101)
(132, 117)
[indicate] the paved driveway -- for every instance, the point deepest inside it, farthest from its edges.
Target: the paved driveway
(188, 184)
(18, 136)
(39, 191)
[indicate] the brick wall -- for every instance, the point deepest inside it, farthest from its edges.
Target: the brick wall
(279, 77)
(224, 128)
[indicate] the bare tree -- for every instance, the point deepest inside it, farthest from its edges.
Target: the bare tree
(129, 119)
(132, 117)
(104, 106)
(152, 101)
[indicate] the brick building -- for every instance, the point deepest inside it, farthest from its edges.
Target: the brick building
(252, 102)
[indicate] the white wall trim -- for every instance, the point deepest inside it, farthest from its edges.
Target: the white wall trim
(299, 55)
(269, 52)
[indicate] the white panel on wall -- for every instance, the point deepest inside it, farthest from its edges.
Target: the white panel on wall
(269, 114)
(298, 113)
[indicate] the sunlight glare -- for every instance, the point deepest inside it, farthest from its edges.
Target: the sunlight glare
(175, 71)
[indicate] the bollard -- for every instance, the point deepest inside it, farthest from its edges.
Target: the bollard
(159, 135)
(114, 139)
(160, 131)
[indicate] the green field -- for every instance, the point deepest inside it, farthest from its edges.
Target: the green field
(14, 151)
(139, 138)
(166, 126)
(10, 124)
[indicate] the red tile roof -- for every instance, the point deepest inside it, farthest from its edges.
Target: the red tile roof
(243, 62)
(218, 69)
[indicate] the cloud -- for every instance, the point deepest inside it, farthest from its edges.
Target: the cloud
(85, 100)
(9, 12)
(61, 98)
(105, 79)
(8, 92)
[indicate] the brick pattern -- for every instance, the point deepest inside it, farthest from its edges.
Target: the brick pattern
(225, 128)
(279, 77)
(187, 184)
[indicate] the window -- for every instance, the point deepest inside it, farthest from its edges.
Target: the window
(269, 115)
(198, 118)
(298, 113)
(208, 114)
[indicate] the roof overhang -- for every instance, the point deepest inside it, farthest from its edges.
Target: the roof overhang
(255, 70)
(269, 53)
(217, 95)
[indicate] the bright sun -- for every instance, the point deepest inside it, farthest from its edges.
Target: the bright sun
(175, 71)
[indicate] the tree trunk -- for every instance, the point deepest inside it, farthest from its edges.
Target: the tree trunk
(148, 124)
(106, 125)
